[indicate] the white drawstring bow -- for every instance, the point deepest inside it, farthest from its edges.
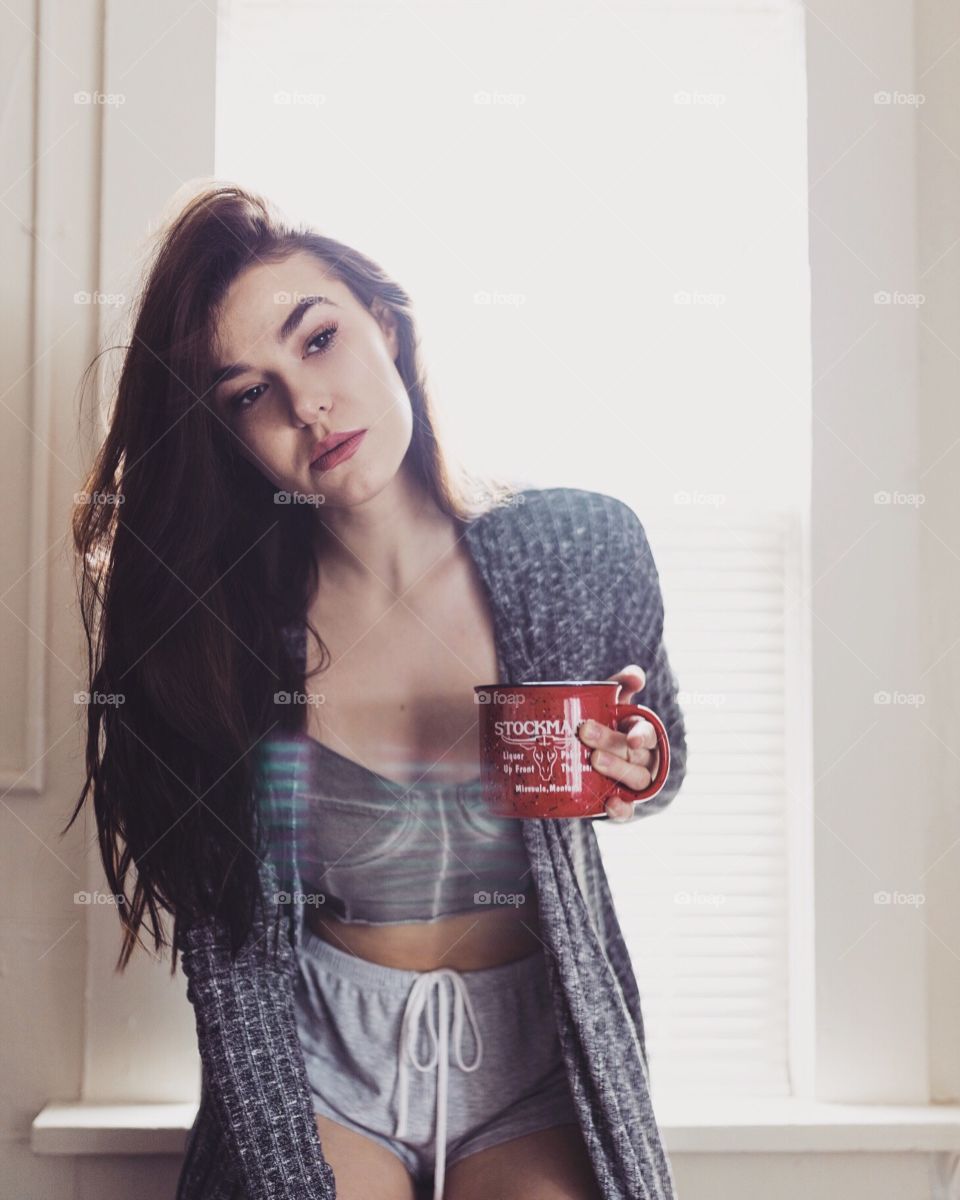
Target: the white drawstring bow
(417, 1001)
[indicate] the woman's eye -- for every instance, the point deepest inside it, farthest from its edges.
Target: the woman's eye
(331, 330)
(238, 401)
(328, 333)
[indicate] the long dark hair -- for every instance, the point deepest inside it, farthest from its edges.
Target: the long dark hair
(189, 572)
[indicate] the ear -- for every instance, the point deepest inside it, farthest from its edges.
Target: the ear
(387, 320)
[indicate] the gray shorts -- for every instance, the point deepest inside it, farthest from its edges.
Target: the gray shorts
(433, 1065)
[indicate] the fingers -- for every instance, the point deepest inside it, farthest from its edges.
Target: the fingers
(641, 733)
(631, 679)
(619, 810)
(618, 755)
(631, 775)
(635, 745)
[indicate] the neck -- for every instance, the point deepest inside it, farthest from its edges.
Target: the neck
(387, 543)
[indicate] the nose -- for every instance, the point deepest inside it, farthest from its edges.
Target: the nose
(306, 406)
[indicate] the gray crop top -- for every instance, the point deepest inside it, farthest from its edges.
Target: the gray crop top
(374, 852)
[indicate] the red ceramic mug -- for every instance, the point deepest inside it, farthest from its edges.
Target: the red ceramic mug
(532, 764)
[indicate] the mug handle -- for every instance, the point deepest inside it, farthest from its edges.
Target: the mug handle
(663, 746)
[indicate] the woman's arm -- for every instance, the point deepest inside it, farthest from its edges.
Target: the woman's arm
(637, 637)
(660, 694)
(252, 1058)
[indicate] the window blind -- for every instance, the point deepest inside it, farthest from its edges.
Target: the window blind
(701, 889)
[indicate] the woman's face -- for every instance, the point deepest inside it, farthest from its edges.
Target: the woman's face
(298, 370)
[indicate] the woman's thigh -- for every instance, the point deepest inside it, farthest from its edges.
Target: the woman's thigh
(362, 1168)
(551, 1164)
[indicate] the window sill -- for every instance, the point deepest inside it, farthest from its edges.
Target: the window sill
(794, 1126)
(741, 1127)
(87, 1127)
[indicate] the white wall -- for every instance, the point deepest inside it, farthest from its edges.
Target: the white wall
(48, 245)
(938, 470)
(870, 958)
(58, 166)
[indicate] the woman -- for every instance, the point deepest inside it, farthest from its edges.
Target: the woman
(275, 467)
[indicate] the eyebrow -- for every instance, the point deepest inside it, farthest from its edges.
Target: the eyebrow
(290, 325)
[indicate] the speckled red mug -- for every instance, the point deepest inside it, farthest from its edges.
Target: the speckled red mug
(532, 764)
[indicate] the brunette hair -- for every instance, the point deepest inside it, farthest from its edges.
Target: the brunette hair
(189, 571)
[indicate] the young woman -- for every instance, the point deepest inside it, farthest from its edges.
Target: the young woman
(274, 467)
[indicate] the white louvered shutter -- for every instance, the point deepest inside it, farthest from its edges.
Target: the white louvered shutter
(701, 888)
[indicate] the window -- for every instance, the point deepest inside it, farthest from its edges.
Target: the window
(612, 279)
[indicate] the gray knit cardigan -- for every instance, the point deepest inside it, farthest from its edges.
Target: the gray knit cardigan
(575, 594)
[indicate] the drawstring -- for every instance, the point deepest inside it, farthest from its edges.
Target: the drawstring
(417, 1000)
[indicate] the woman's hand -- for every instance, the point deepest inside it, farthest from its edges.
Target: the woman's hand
(631, 757)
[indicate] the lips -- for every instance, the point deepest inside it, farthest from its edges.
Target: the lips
(330, 442)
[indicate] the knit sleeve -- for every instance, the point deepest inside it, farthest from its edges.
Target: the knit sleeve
(252, 1058)
(638, 638)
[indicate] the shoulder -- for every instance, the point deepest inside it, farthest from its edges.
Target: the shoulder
(561, 517)
(576, 544)
(570, 509)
